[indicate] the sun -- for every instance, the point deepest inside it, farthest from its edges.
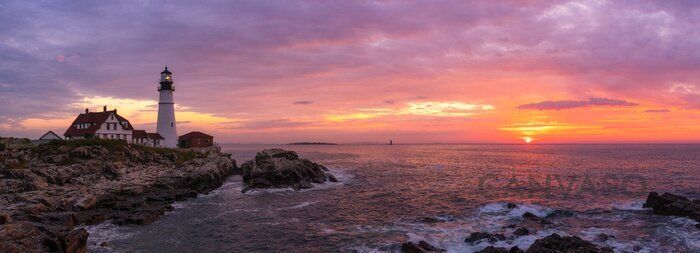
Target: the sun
(528, 139)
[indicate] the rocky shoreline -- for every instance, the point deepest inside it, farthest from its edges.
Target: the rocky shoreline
(48, 190)
(661, 204)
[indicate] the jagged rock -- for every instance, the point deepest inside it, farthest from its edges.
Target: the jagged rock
(573, 244)
(674, 205)
(20, 237)
(332, 178)
(44, 200)
(88, 152)
(478, 236)
(278, 168)
(85, 202)
(492, 249)
(5, 218)
(529, 215)
(521, 232)
(76, 241)
(604, 237)
(421, 247)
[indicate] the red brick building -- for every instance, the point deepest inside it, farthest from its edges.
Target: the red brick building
(195, 140)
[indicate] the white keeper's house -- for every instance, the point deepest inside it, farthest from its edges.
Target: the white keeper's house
(109, 125)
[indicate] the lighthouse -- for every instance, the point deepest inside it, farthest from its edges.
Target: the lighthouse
(166, 110)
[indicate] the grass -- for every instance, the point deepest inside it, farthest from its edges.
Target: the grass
(115, 147)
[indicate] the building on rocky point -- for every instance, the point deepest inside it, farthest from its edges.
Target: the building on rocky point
(104, 125)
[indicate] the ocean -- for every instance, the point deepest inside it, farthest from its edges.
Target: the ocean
(388, 195)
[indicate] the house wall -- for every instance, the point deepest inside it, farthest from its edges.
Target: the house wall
(112, 133)
(199, 142)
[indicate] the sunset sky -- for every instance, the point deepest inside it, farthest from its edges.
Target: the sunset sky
(361, 71)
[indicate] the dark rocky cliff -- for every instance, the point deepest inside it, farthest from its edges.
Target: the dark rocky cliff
(45, 191)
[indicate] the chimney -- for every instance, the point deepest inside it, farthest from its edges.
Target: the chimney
(86, 110)
(104, 109)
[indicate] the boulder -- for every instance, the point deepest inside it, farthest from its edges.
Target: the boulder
(573, 244)
(492, 249)
(478, 236)
(85, 202)
(420, 247)
(673, 205)
(76, 241)
(278, 168)
(5, 218)
(521, 232)
(20, 236)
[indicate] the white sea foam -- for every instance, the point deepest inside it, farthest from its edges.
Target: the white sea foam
(297, 206)
(520, 209)
(105, 232)
(630, 206)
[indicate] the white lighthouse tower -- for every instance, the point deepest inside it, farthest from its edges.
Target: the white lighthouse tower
(166, 110)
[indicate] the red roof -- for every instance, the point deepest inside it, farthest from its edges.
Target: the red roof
(95, 119)
(195, 134)
(155, 136)
(139, 134)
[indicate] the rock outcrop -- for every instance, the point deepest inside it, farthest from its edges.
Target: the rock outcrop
(478, 236)
(420, 247)
(278, 168)
(572, 244)
(45, 191)
(674, 205)
(492, 249)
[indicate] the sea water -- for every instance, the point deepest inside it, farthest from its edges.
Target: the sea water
(439, 193)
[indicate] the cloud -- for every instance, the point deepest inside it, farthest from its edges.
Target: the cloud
(569, 104)
(270, 124)
(434, 109)
(303, 102)
(657, 110)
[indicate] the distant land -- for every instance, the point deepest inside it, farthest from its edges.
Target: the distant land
(311, 143)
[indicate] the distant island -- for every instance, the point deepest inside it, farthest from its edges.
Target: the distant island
(311, 143)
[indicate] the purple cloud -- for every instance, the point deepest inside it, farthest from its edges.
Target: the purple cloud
(303, 102)
(569, 104)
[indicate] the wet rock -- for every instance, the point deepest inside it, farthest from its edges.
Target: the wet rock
(492, 249)
(604, 237)
(521, 232)
(332, 178)
(673, 205)
(478, 236)
(511, 206)
(529, 215)
(103, 244)
(5, 218)
(278, 168)
(20, 236)
(85, 202)
(421, 247)
(573, 244)
(76, 241)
